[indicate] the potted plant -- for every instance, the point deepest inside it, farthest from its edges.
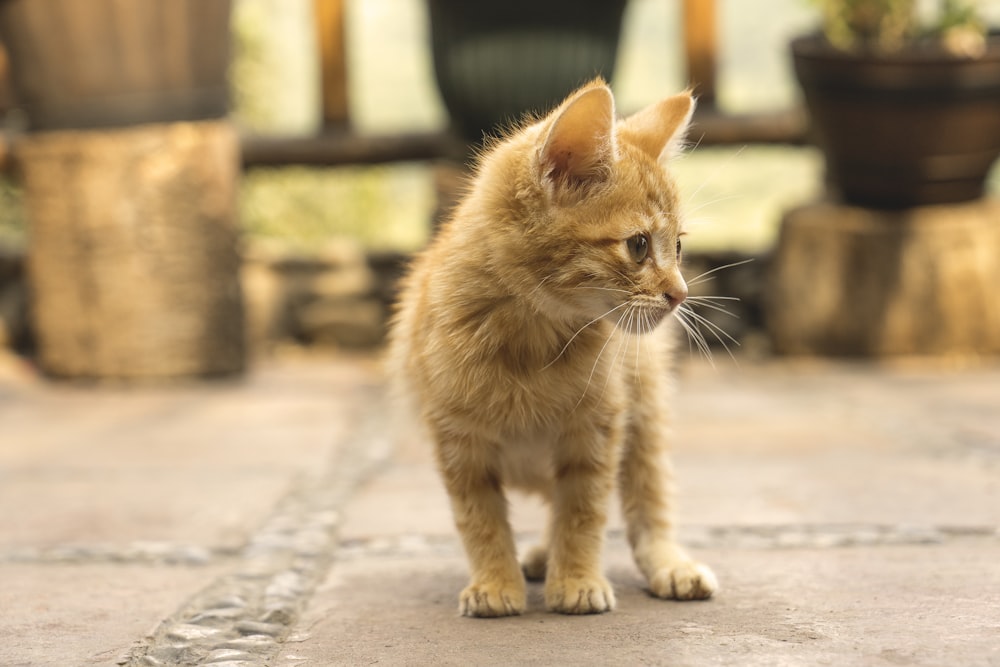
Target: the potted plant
(905, 107)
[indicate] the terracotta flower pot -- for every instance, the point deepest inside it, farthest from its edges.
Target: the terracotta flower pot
(907, 129)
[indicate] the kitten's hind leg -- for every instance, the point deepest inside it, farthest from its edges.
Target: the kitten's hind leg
(480, 510)
(535, 561)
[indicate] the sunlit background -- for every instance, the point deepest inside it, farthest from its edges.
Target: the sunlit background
(737, 194)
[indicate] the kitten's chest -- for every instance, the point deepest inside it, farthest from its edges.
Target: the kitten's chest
(528, 463)
(544, 420)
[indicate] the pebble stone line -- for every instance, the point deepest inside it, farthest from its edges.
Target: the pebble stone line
(243, 618)
(146, 552)
(777, 537)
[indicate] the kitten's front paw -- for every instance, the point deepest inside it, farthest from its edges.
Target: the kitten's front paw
(489, 600)
(687, 581)
(579, 595)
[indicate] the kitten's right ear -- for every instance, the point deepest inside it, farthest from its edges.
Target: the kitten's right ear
(580, 141)
(660, 128)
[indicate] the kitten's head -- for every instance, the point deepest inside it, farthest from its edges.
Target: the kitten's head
(603, 232)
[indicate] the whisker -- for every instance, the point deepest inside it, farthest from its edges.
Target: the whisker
(690, 149)
(714, 298)
(593, 369)
(701, 277)
(714, 174)
(687, 333)
(712, 326)
(690, 212)
(638, 345)
(621, 350)
(705, 302)
(714, 329)
(573, 337)
(606, 289)
(539, 285)
(694, 335)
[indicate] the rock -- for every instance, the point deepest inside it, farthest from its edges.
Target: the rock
(13, 299)
(258, 628)
(328, 297)
(188, 632)
(225, 655)
(343, 282)
(352, 323)
(265, 304)
(253, 643)
(342, 252)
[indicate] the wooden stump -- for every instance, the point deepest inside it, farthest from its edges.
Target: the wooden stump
(132, 257)
(854, 281)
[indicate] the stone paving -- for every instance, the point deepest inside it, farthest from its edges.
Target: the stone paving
(850, 510)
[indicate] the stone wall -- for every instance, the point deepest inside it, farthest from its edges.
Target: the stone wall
(14, 330)
(337, 296)
(340, 296)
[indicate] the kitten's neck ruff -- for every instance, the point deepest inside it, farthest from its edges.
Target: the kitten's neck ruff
(517, 318)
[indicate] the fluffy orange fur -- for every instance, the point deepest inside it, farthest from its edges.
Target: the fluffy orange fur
(526, 334)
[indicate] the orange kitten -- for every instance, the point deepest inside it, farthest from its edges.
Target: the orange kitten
(526, 333)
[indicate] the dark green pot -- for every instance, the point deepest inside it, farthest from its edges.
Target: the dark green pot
(496, 61)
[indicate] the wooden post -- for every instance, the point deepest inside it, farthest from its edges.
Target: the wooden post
(5, 100)
(330, 37)
(700, 49)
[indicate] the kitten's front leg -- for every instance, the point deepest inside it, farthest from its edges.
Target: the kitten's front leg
(645, 488)
(480, 510)
(574, 583)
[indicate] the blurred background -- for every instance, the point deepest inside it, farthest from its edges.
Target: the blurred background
(192, 187)
(332, 195)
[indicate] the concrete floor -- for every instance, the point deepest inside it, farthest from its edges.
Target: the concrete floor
(851, 512)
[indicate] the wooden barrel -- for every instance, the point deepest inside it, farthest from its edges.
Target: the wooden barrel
(108, 63)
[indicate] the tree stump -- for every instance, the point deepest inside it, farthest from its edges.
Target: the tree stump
(132, 259)
(855, 281)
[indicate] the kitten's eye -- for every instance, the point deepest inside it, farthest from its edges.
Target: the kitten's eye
(678, 251)
(638, 247)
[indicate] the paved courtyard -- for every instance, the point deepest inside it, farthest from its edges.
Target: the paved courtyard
(850, 510)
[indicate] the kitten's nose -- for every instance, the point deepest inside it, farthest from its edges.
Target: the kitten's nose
(676, 294)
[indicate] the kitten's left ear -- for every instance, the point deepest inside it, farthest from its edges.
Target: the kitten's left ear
(580, 141)
(660, 128)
